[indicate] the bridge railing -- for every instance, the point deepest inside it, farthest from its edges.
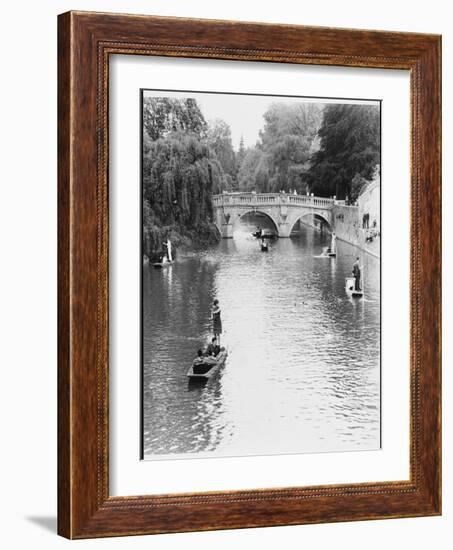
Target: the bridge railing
(270, 199)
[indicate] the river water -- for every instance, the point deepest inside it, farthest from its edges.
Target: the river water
(303, 366)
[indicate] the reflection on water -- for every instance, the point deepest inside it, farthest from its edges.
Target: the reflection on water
(303, 370)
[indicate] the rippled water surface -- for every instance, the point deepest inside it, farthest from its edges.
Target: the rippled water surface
(303, 367)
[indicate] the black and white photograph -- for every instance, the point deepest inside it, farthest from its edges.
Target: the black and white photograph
(225, 304)
(260, 283)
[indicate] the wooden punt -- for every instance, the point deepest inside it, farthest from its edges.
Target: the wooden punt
(350, 288)
(204, 370)
(160, 265)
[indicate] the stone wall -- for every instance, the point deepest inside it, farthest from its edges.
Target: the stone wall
(348, 226)
(369, 202)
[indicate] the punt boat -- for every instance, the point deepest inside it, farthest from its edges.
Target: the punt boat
(160, 265)
(327, 253)
(207, 367)
(350, 288)
(265, 234)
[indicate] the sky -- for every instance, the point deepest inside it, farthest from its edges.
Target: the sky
(243, 113)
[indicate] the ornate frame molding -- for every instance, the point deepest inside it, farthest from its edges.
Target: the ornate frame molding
(86, 40)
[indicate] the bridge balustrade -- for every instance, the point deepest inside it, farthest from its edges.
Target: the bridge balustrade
(270, 199)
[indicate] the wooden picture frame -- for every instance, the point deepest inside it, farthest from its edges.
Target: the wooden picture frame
(85, 42)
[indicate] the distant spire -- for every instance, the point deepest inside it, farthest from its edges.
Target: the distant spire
(241, 144)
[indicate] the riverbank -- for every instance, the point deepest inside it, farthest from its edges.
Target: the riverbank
(182, 238)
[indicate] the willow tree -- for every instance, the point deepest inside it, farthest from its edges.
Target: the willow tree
(180, 174)
(181, 171)
(165, 115)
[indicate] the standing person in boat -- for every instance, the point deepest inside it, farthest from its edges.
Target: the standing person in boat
(169, 250)
(164, 254)
(167, 254)
(333, 244)
(216, 320)
(356, 271)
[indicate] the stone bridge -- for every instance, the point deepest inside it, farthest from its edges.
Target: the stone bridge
(284, 210)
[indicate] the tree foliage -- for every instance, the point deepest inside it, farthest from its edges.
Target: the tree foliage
(279, 160)
(349, 146)
(164, 115)
(219, 141)
(180, 174)
(248, 168)
(241, 152)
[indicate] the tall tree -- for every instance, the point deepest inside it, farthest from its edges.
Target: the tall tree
(253, 171)
(349, 145)
(279, 160)
(297, 119)
(241, 151)
(219, 141)
(238, 160)
(163, 115)
(180, 174)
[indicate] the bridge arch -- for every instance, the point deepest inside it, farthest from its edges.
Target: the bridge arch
(284, 210)
(319, 216)
(262, 212)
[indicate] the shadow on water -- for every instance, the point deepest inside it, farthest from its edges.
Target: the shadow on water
(195, 385)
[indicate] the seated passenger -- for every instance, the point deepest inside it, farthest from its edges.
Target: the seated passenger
(199, 358)
(213, 348)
